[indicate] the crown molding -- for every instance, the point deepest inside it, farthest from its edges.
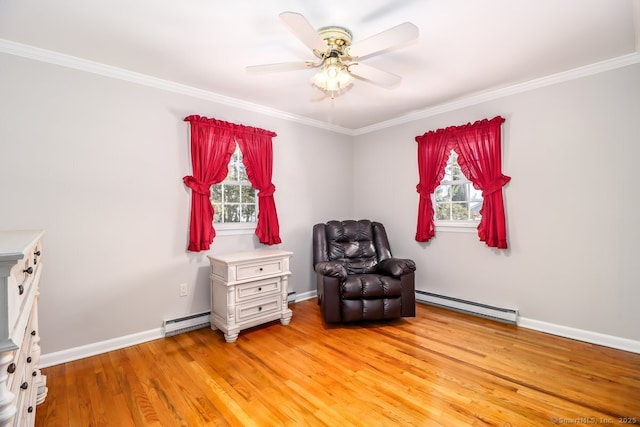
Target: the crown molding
(490, 95)
(56, 58)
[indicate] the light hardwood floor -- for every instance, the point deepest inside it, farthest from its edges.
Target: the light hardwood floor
(439, 368)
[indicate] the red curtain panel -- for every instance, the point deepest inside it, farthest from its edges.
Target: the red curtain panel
(433, 153)
(212, 144)
(257, 156)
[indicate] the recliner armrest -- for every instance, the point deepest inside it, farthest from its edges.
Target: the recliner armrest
(332, 269)
(397, 266)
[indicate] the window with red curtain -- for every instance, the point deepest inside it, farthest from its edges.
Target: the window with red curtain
(212, 145)
(479, 154)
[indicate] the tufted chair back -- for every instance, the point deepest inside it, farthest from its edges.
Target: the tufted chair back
(358, 245)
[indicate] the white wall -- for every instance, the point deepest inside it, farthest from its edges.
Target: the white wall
(98, 163)
(572, 151)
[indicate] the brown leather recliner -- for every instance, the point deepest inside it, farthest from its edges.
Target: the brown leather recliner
(357, 277)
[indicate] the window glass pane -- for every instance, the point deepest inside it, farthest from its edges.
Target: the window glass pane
(456, 172)
(249, 213)
(217, 212)
(216, 193)
(460, 192)
(443, 211)
(242, 172)
(476, 195)
(232, 213)
(443, 193)
(474, 210)
(460, 211)
(248, 194)
(233, 172)
(448, 176)
(231, 193)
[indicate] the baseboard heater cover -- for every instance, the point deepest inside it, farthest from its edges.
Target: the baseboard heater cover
(291, 297)
(499, 314)
(185, 324)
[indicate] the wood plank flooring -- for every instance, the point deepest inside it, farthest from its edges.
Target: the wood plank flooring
(440, 368)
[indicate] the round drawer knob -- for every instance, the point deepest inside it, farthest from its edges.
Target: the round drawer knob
(28, 270)
(29, 359)
(11, 368)
(33, 333)
(24, 385)
(21, 289)
(34, 373)
(37, 253)
(30, 409)
(259, 308)
(259, 289)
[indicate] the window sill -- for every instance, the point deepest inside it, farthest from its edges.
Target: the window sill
(457, 227)
(235, 229)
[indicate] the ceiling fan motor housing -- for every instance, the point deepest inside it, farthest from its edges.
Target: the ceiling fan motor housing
(337, 38)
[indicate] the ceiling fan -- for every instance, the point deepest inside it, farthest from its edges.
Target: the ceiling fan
(338, 58)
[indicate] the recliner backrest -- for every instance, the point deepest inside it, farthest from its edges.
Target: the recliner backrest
(358, 245)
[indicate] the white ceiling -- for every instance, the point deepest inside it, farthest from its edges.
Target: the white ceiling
(466, 47)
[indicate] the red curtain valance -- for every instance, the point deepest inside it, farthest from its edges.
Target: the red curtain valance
(212, 145)
(479, 155)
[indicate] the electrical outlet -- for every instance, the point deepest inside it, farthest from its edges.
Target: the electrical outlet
(184, 290)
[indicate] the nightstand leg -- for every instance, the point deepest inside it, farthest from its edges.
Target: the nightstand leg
(286, 317)
(232, 336)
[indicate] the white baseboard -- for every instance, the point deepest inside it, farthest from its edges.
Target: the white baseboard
(88, 350)
(305, 296)
(581, 335)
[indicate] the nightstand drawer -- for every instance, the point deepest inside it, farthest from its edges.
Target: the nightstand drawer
(257, 270)
(258, 289)
(258, 309)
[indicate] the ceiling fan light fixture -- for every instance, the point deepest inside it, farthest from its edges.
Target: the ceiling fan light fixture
(333, 77)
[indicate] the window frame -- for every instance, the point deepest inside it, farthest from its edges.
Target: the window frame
(235, 228)
(451, 225)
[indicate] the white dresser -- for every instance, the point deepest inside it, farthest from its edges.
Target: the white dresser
(249, 289)
(22, 386)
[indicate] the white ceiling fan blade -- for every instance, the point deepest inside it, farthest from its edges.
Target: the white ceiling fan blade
(302, 29)
(374, 75)
(392, 37)
(280, 66)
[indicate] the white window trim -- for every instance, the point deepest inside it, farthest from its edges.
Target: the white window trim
(234, 229)
(457, 226)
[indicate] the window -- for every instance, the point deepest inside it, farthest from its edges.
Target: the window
(234, 199)
(457, 203)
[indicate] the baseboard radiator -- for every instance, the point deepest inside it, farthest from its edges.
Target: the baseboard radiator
(499, 314)
(185, 324)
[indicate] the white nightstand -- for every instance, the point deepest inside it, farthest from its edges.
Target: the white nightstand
(249, 289)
